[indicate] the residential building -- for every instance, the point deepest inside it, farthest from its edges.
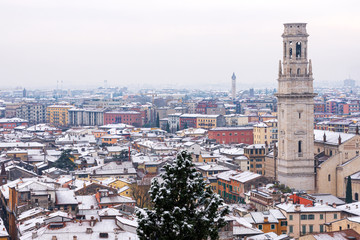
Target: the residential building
(344, 223)
(130, 117)
(235, 120)
(11, 123)
(256, 154)
(86, 117)
(232, 185)
(231, 135)
(58, 115)
(303, 220)
(272, 220)
(33, 112)
(210, 121)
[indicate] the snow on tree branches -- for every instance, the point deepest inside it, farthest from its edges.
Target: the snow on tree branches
(184, 207)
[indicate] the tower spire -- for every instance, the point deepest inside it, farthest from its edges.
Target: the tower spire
(233, 86)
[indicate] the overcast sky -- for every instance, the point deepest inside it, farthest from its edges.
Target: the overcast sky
(165, 43)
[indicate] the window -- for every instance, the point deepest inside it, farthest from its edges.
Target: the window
(260, 227)
(290, 217)
(348, 226)
(303, 227)
(283, 223)
(311, 228)
(321, 216)
(303, 217)
(291, 229)
(299, 112)
(329, 178)
(299, 146)
(321, 228)
(272, 226)
(298, 50)
(356, 197)
(335, 215)
(311, 217)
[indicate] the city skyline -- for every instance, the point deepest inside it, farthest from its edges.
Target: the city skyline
(162, 44)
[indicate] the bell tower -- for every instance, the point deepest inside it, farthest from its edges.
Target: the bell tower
(295, 163)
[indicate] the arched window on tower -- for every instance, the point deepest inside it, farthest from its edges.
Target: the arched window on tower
(356, 197)
(299, 147)
(290, 71)
(298, 50)
(290, 53)
(298, 71)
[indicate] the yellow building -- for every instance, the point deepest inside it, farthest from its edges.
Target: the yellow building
(17, 155)
(205, 157)
(123, 185)
(265, 132)
(207, 121)
(345, 223)
(58, 115)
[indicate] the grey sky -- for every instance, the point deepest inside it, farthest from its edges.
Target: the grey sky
(169, 43)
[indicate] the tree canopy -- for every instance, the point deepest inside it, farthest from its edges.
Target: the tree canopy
(184, 207)
(64, 162)
(348, 198)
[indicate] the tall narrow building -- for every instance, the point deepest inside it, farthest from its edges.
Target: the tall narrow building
(233, 86)
(295, 163)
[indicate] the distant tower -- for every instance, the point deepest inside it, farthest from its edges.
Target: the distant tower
(233, 86)
(296, 111)
(24, 92)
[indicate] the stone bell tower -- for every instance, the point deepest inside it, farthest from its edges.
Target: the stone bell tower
(295, 163)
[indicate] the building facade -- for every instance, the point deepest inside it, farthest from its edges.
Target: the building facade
(86, 117)
(232, 135)
(33, 112)
(131, 118)
(58, 115)
(296, 111)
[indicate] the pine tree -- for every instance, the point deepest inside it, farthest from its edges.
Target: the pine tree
(64, 162)
(157, 120)
(184, 208)
(348, 198)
